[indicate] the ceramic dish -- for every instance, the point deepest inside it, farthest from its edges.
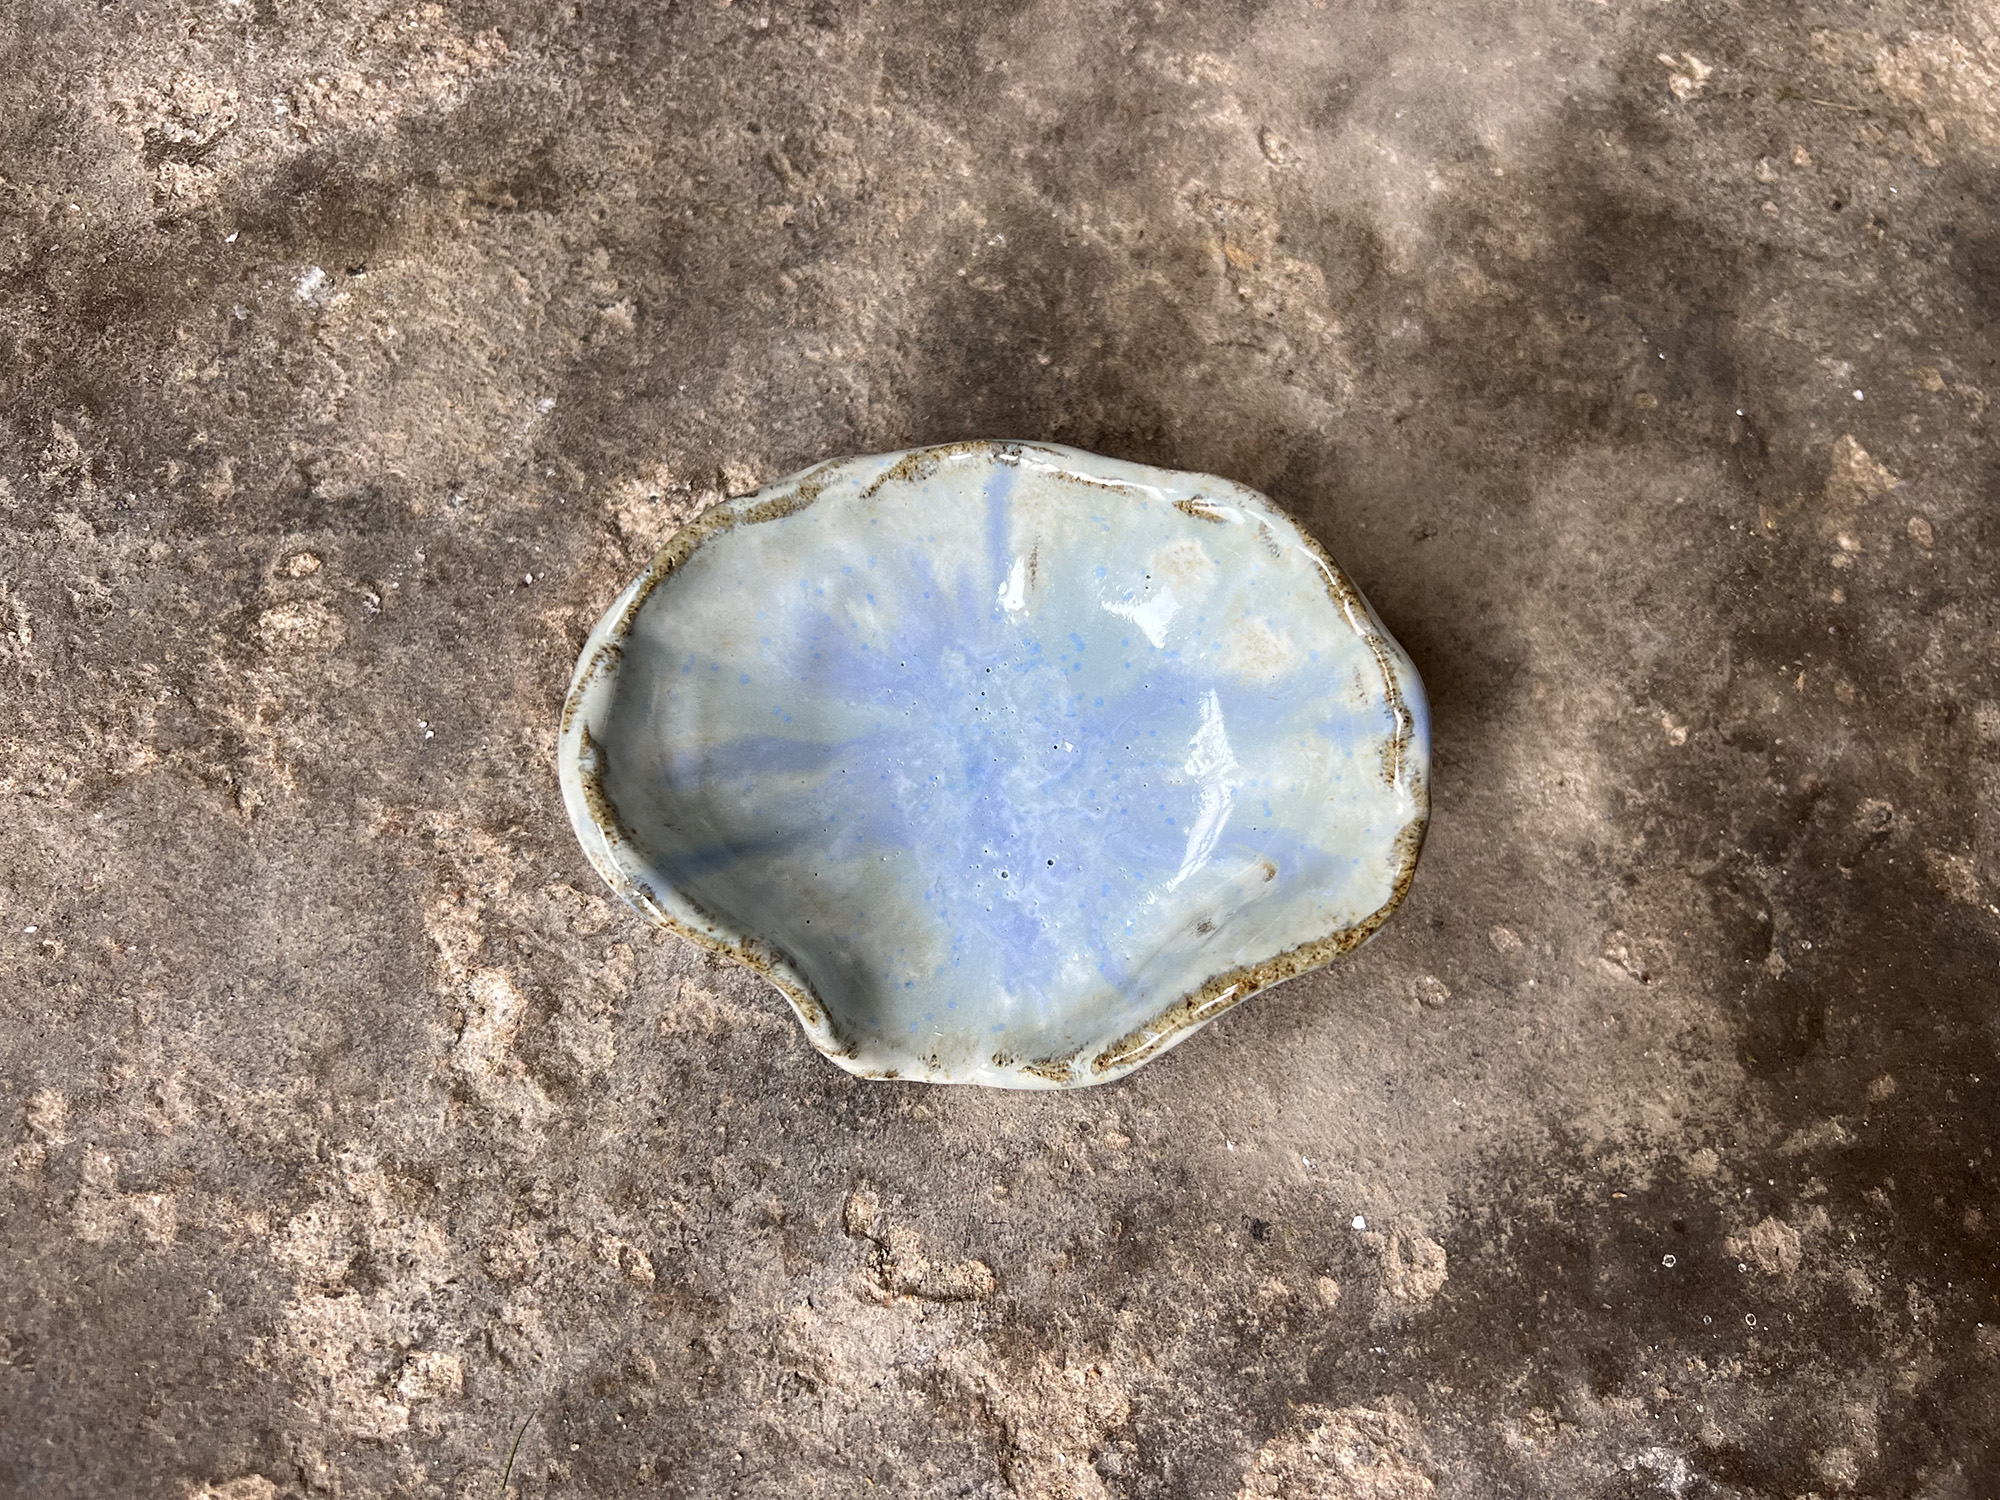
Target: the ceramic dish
(1005, 763)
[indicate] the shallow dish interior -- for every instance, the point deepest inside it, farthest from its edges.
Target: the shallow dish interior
(1007, 763)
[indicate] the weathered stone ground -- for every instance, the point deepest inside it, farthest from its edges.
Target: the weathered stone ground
(1638, 359)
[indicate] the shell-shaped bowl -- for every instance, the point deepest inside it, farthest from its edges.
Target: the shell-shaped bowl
(1006, 763)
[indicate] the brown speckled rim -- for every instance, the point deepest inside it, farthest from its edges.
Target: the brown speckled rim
(619, 857)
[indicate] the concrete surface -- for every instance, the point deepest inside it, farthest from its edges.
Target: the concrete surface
(1637, 358)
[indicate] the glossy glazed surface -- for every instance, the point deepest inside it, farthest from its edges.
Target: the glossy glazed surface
(1008, 763)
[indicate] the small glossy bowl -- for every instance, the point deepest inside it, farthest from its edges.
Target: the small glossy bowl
(1005, 763)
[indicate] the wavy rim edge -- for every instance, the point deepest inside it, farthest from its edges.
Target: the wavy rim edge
(618, 857)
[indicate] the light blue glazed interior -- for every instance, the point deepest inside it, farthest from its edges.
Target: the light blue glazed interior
(1004, 753)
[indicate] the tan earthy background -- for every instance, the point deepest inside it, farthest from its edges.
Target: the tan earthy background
(1637, 358)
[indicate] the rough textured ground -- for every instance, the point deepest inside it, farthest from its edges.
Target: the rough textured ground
(1637, 358)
